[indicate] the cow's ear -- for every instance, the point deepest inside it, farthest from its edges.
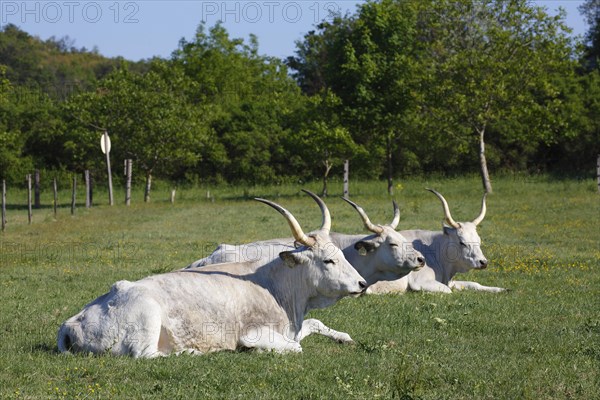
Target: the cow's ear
(293, 258)
(366, 246)
(448, 230)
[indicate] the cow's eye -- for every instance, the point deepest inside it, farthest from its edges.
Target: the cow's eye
(463, 244)
(394, 244)
(329, 261)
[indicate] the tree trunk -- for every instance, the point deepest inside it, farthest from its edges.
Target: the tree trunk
(148, 187)
(485, 175)
(328, 166)
(390, 171)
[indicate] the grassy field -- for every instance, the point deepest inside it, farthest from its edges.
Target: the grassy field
(540, 340)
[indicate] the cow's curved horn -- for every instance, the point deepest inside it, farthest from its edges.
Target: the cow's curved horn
(481, 216)
(366, 221)
(326, 225)
(297, 232)
(396, 219)
(449, 220)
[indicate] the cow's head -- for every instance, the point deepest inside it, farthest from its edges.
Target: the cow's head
(390, 251)
(464, 244)
(326, 268)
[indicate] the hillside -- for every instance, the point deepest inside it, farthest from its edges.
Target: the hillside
(55, 65)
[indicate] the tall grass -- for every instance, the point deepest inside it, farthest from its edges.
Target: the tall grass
(540, 340)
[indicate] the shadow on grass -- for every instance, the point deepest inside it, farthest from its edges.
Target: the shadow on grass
(45, 348)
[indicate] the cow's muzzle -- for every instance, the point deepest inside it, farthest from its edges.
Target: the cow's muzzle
(363, 287)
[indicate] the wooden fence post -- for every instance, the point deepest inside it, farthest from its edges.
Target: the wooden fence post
(73, 195)
(91, 190)
(598, 171)
(29, 212)
(173, 196)
(36, 181)
(3, 205)
(128, 173)
(88, 200)
(346, 178)
(148, 187)
(55, 188)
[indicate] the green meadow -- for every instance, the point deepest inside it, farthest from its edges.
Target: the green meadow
(539, 340)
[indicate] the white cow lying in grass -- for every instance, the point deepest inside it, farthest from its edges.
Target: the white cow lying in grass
(385, 254)
(220, 307)
(455, 249)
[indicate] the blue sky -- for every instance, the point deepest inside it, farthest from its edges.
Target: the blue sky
(142, 29)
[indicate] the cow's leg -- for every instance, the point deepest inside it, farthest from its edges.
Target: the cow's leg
(384, 287)
(266, 338)
(462, 285)
(310, 326)
(430, 286)
(143, 344)
(192, 352)
(145, 338)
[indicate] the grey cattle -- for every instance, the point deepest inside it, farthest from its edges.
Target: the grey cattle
(455, 249)
(221, 307)
(385, 254)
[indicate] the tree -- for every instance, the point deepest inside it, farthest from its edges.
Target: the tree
(321, 139)
(13, 158)
(147, 116)
(590, 9)
(253, 99)
(29, 120)
(576, 150)
(586, 145)
(494, 60)
(371, 66)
